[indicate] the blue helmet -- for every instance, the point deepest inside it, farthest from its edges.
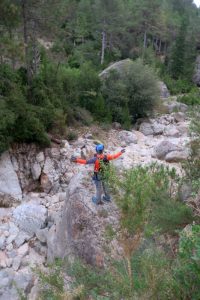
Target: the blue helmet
(99, 148)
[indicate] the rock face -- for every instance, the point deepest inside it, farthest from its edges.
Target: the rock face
(79, 231)
(164, 92)
(196, 78)
(10, 189)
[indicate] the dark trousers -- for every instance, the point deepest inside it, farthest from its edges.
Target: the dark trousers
(101, 186)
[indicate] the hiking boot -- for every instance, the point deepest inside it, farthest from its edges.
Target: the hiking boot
(107, 198)
(94, 200)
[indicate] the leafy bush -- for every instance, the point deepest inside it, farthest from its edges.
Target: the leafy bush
(72, 136)
(134, 89)
(179, 86)
(53, 284)
(110, 284)
(193, 98)
(147, 197)
(187, 267)
(153, 274)
(192, 165)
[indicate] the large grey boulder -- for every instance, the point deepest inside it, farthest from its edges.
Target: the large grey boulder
(163, 148)
(151, 128)
(75, 233)
(146, 128)
(176, 156)
(79, 229)
(128, 137)
(120, 66)
(174, 106)
(172, 131)
(30, 217)
(10, 189)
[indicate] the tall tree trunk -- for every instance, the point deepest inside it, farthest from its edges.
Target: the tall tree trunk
(35, 51)
(103, 46)
(165, 48)
(160, 45)
(145, 40)
(26, 41)
(12, 54)
(144, 43)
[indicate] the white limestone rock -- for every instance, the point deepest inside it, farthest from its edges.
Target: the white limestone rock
(30, 217)
(9, 183)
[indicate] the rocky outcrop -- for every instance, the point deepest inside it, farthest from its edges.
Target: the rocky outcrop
(164, 92)
(173, 125)
(80, 230)
(10, 190)
(120, 66)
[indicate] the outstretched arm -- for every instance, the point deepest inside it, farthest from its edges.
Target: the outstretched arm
(83, 161)
(114, 156)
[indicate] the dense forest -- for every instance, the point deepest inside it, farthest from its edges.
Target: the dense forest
(52, 51)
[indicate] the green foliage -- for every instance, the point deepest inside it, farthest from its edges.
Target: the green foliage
(56, 96)
(177, 86)
(21, 121)
(131, 93)
(177, 59)
(72, 136)
(148, 200)
(153, 274)
(187, 268)
(192, 165)
(193, 98)
(52, 281)
(109, 233)
(102, 284)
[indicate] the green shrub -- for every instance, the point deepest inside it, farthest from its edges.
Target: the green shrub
(187, 267)
(153, 274)
(147, 197)
(102, 284)
(52, 283)
(192, 165)
(72, 136)
(193, 98)
(179, 86)
(134, 89)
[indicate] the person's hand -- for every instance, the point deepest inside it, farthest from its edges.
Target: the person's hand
(123, 150)
(73, 159)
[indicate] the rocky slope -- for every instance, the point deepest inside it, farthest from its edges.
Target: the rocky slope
(45, 200)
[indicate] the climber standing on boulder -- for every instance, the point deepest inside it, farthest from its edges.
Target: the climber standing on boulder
(100, 160)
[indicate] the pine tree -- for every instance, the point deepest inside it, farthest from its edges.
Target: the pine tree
(178, 55)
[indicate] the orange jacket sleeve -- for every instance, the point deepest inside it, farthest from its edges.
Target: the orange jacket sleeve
(114, 156)
(81, 161)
